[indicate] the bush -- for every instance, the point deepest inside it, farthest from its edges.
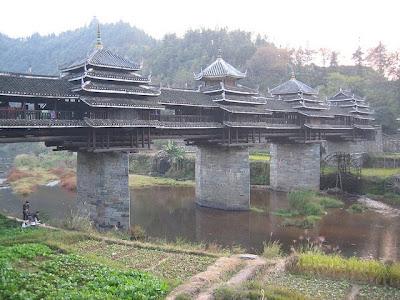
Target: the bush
(272, 249)
(136, 233)
(312, 209)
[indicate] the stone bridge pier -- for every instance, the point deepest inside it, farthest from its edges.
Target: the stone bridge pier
(295, 166)
(223, 177)
(102, 187)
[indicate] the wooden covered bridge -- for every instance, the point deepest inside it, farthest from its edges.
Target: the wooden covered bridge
(103, 108)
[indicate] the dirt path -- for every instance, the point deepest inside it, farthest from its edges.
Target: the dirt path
(232, 271)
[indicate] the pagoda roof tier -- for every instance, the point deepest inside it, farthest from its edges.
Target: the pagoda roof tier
(339, 111)
(354, 104)
(293, 86)
(219, 69)
(224, 97)
(310, 106)
(263, 125)
(46, 123)
(344, 95)
(119, 102)
(328, 126)
(103, 58)
(257, 110)
(109, 76)
(364, 117)
(278, 105)
(29, 85)
(364, 127)
(300, 97)
(222, 87)
(97, 87)
(185, 98)
(316, 113)
(356, 110)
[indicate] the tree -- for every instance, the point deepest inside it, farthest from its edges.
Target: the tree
(325, 53)
(358, 57)
(334, 63)
(393, 65)
(378, 58)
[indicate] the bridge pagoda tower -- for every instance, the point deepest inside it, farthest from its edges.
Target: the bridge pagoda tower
(223, 171)
(296, 164)
(113, 89)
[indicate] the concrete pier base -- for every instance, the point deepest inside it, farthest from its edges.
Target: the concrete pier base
(295, 166)
(102, 188)
(223, 177)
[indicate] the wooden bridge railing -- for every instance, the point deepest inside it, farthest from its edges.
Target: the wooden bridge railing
(39, 115)
(182, 118)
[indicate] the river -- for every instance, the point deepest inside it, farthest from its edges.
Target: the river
(170, 212)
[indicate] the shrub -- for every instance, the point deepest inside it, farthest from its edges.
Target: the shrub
(298, 199)
(136, 233)
(272, 249)
(312, 209)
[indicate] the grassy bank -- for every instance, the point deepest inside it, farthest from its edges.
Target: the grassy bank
(142, 181)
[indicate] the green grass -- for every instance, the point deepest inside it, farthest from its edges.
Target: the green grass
(260, 157)
(34, 271)
(356, 208)
(256, 292)
(380, 172)
(142, 181)
(353, 268)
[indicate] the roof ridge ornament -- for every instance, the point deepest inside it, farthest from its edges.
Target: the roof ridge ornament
(99, 44)
(219, 55)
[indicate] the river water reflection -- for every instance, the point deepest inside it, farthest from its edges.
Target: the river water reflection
(170, 212)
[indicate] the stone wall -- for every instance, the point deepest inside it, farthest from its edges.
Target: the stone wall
(223, 177)
(295, 166)
(102, 187)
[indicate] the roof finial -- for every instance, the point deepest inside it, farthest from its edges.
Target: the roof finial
(293, 75)
(99, 44)
(219, 55)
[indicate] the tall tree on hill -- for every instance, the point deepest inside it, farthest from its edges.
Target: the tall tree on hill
(378, 58)
(393, 65)
(325, 53)
(334, 62)
(358, 59)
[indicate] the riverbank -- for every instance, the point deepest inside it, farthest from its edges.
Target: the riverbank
(54, 263)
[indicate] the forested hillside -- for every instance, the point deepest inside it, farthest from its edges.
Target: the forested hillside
(173, 60)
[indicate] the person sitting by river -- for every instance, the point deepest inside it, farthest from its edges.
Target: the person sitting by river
(25, 210)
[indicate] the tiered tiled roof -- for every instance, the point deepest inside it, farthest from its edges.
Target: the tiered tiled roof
(223, 87)
(100, 87)
(232, 98)
(184, 98)
(219, 69)
(353, 104)
(293, 86)
(103, 58)
(28, 85)
(119, 102)
(23, 123)
(111, 76)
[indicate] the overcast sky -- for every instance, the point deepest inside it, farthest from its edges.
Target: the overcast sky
(335, 24)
